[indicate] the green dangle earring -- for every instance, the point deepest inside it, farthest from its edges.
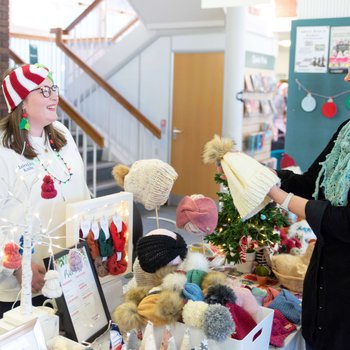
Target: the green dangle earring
(24, 124)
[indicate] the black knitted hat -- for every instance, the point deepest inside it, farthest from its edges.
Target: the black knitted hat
(159, 248)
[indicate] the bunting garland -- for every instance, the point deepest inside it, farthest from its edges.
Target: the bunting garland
(329, 108)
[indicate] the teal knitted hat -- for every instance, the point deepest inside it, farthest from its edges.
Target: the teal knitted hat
(195, 276)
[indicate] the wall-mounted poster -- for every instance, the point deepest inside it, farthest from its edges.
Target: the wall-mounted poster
(339, 60)
(311, 49)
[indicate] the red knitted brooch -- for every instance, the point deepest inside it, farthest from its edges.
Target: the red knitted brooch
(48, 190)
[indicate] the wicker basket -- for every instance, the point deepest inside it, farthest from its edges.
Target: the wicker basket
(295, 284)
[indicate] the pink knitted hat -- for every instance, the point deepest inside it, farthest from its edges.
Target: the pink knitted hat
(281, 328)
(21, 81)
(197, 214)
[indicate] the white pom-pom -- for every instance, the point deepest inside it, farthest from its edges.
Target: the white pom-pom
(174, 282)
(52, 287)
(193, 313)
(196, 261)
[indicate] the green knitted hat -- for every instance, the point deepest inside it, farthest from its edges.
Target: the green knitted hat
(195, 276)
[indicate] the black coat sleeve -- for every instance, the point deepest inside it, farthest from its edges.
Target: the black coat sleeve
(304, 185)
(327, 221)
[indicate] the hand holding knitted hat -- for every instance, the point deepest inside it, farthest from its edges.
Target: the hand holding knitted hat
(249, 181)
(150, 180)
(159, 248)
(197, 214)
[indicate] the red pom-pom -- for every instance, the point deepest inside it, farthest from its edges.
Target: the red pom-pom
(48, 190)
(12, 258)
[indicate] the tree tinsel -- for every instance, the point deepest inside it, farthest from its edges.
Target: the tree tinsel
(261, 227)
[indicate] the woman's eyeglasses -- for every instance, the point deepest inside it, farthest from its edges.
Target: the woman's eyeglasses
(46, 90)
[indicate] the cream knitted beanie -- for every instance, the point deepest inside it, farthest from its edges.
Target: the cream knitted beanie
(249, 181)
(150, 180)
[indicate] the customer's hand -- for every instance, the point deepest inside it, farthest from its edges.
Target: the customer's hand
(38, 277)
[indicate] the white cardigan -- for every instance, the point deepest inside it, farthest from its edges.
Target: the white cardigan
(20, 186)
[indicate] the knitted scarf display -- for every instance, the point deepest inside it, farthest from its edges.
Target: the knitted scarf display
(335, 171)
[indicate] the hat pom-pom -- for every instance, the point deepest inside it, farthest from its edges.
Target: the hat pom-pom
(12, 257)
(169, 306)
(193, 313)
(215, 149)
(174, 282)
(52, 287)
(213, 278)
(126, 317)
(218, 323)
(196, 261)
(119, 172)
(220, 294)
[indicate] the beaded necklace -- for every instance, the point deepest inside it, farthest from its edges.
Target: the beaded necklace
(52, 145)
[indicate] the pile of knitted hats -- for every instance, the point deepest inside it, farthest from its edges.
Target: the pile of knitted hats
(167, 291)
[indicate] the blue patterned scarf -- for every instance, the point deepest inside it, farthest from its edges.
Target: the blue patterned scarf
(335, 171)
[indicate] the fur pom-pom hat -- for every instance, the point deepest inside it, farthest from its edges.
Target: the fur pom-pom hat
(150, 180)
(159, 248)
(193, 313)
(197, 214)
(249, 181)
(218, 323)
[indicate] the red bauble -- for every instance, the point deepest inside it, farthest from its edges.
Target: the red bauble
(329, 109)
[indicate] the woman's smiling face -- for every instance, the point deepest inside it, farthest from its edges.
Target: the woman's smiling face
(41, 111)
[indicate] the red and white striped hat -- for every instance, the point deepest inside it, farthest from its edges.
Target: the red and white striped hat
(21, 81)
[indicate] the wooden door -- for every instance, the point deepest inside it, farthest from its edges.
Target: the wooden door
(197, 114)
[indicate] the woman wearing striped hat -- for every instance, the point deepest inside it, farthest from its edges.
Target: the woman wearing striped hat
(41, 170)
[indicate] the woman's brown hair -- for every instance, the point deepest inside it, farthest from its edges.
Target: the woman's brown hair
(17, 140)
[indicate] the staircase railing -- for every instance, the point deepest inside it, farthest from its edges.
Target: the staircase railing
(88, 130)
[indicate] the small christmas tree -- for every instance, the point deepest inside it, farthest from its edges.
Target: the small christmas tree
(261, 228)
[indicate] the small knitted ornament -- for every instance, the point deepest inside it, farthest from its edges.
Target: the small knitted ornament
(105, 245)
(334, 176)
(21, 241)
(93, 245)
(197, 214)
(75, 260)
(48, 190)
(150, 180)
(118, 237)
(286, 161)
(52, 287)
(12, 258)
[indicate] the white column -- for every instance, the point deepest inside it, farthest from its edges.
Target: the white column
(234, 74)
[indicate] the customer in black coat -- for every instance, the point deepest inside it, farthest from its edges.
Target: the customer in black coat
(326, 296)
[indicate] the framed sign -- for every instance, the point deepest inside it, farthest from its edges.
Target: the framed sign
(82, 307)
